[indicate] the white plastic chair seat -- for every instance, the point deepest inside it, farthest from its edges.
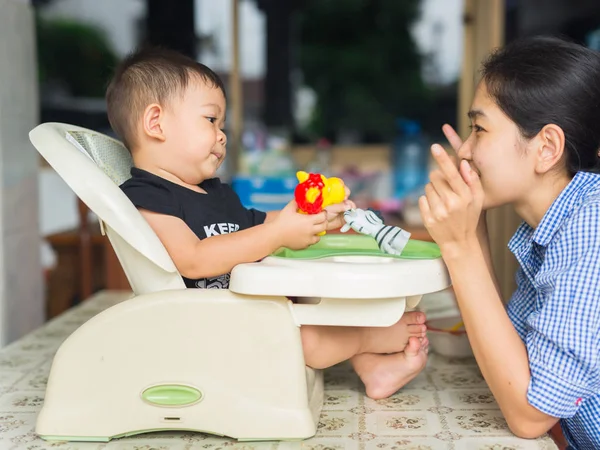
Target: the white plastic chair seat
(344, 290)
(238, 355)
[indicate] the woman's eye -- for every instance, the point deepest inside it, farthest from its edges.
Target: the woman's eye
(476, 128)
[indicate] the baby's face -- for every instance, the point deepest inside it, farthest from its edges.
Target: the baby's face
(193, 127)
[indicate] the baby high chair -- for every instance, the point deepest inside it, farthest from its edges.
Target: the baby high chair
(226, 362)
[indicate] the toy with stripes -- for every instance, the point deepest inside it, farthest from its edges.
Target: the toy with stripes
(390, 239)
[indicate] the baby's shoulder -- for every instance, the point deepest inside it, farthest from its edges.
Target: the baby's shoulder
(153, 193)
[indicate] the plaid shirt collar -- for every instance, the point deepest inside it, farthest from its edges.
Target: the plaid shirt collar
(560, 210)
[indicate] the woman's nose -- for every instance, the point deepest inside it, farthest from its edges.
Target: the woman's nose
(465, 150)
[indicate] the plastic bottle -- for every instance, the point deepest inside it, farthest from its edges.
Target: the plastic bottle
(410, 158)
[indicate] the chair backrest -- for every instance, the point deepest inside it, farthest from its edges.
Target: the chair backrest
(94, 165)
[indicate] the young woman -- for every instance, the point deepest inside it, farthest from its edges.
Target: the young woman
(535, 145)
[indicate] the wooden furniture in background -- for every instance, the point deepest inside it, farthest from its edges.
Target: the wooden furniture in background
(115, 276)
(235, 91)
(483, 32)
(558, 437)
(64, 282)
(116, 280)
(86, 264)
(85, 252)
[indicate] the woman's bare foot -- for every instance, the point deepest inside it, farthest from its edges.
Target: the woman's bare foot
(383, 375)
(394, 339)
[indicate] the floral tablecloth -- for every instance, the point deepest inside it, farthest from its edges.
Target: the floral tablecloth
(447, 407)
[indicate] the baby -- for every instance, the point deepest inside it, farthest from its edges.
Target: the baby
(169, 111)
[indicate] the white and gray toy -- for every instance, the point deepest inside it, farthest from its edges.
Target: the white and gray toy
(390, 239)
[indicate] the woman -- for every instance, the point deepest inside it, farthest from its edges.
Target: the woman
(534, 144)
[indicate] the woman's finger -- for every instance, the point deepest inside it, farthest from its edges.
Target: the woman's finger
(472, 179)
(440, 184)
(436, 205)
(425, 210)
(452, 136)
(449, 169)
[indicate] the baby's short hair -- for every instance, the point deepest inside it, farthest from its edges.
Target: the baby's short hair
(147, 76)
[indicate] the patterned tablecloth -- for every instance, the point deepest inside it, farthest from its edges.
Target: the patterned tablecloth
(447, 407)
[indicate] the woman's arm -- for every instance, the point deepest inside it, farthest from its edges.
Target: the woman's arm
(451, 212)
(484, 243)
(500, 352)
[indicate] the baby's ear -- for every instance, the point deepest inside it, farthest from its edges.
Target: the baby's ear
(152, 118)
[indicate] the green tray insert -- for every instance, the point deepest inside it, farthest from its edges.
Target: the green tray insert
(361, 245)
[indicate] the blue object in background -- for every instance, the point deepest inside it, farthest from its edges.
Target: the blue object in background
(410, 158)
(264, 193)
(593, 39)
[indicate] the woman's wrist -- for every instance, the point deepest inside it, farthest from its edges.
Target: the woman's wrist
(461, 250)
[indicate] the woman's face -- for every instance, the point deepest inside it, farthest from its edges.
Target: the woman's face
(497, 152)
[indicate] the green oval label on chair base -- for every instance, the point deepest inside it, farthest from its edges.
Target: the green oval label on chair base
(171, 395)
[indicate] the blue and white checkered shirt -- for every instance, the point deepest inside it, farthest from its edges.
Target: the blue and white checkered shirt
(556, 309)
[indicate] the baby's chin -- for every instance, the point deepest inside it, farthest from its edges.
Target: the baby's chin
(212, 172)
(218, 165)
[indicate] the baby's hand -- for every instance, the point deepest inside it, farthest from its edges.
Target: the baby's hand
(298, 231)
(335, 214)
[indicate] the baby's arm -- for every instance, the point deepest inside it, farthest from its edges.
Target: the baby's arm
(216, 255)
(271, 216)
(196, 258)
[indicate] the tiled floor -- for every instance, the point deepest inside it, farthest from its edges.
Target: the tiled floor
(448, 407)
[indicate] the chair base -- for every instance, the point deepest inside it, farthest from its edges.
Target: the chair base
(207, 361)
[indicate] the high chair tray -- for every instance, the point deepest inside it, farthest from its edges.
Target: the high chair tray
(344, 266)
(352, 245)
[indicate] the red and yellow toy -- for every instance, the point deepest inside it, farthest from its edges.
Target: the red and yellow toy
(315, 192)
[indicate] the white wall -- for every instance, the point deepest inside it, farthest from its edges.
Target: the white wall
(214, 17)
(58, 203)
(439, 33)
(21, 299)
(116, 17)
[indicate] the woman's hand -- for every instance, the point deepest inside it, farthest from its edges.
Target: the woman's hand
(453, 200)
(456, 142)
(452, 136)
